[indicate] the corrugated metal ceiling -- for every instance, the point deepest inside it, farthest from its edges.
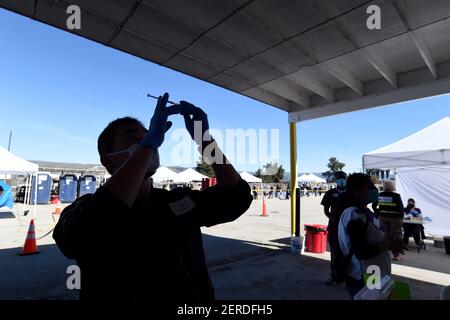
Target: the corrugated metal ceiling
(312, 56)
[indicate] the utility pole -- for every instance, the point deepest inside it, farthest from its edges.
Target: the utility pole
(9, 143)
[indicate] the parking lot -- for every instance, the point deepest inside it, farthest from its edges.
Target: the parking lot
(249, 258)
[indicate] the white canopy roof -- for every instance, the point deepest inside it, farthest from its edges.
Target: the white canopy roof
(430, 188)
(190, 175)
(310, 178)
(164, 174)
(250, 178)
(12, 164)
(429, 147)
(314, 57)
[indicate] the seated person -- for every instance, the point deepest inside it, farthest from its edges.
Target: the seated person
(411, 210)
(414, 230)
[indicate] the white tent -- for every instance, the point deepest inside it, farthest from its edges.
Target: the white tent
(190, 175)
(250, 178)
(12, 164)
(303, 178)
(422, 171)
(311, 178)
(427, 147)
(165, 174)
(430, 188)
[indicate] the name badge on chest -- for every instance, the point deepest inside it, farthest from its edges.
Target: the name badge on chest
(182, 206)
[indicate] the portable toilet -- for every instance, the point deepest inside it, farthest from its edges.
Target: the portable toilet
(87, 185)
(44, 186)
(68, 185)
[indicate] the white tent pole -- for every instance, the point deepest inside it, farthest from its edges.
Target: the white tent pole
(30, 183)
(18, 215)
(27, 191)
(25, 194)
(35, 195)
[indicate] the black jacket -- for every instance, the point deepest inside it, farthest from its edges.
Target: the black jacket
(152, 249)
(389, 205)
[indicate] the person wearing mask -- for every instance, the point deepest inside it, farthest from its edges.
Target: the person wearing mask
(331, 207)
(132, 241)
(361, 237)
(415, 230)
(390, 209)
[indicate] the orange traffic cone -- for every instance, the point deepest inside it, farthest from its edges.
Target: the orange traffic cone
(264, 209)
(30, 246)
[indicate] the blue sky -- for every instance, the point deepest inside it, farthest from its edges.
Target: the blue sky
(58, 91)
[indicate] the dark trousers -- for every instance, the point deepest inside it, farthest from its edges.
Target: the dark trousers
(416, 231)
(335, 250)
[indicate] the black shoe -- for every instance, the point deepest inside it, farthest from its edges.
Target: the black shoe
(331, 282)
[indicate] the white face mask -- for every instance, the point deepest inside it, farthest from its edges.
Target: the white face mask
(153, 164)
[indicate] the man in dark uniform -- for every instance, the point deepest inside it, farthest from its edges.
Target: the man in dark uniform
(132, 241)
(332, 208)
(389, 208)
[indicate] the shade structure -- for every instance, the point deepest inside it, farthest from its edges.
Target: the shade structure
(312, 178)
(164, 174)
(316, 57)
(250, 178)
(425, 148)
(421, 163)
(12, 164)
(430, 188)
(190, 175)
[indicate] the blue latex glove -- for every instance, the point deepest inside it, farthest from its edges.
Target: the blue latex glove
(199, 117)
(159, 124)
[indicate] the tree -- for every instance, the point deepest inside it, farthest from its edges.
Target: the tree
(334, 166)
(204, 168)
(271, 173)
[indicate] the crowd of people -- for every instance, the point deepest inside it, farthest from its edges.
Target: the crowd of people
(307, 189)
(272, 192)
(278, 191)
(360, 237)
